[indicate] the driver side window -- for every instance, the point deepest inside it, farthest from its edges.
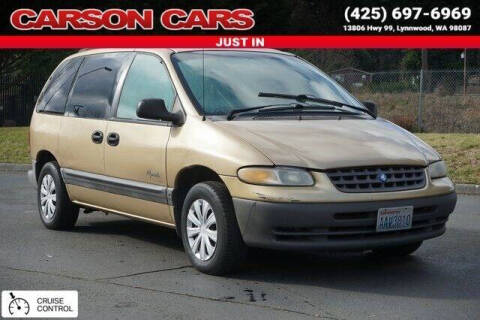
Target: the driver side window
(147, 78)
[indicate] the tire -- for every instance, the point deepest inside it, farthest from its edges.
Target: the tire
(63, 214)
(399, 251)
(229, 250)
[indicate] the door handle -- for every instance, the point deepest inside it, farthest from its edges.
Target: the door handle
(113, 139)
(97, 137)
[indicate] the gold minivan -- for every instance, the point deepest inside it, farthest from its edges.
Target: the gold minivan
(233, 149)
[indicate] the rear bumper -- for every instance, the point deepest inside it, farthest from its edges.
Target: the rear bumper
(337, 226)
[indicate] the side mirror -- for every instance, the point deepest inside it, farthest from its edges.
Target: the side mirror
(154, 109)
(371, 106)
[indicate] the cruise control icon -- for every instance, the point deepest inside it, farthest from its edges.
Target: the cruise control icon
(18, 306)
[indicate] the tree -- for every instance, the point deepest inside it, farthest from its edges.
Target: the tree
(411, 60)
(31, 62)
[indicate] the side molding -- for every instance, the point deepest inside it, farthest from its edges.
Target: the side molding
(129, 188)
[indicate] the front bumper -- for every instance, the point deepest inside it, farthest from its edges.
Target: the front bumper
(337, 226)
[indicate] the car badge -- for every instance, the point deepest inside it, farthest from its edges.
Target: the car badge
(382, 178)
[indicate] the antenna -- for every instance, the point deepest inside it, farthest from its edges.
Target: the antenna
(203, 80)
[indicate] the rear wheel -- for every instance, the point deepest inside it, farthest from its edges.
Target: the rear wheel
(56, 210)
(398, 251)
(210, 233)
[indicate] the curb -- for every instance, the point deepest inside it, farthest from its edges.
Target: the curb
(14, 167)
(461, 188)
(473, 189)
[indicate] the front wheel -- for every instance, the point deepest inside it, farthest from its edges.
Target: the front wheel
(210, 232)
(398, 251)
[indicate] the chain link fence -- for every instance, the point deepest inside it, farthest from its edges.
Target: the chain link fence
(430, 101)
(17, 98)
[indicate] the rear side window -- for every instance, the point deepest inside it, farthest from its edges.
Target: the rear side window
(92, 93)
(54, 97)
(147, 78)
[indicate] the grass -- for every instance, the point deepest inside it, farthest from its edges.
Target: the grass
(447, 114)
(460, 151)
(14, 145)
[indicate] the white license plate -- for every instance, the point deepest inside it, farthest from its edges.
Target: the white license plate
(391, 219)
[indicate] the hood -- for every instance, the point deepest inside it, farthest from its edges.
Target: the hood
(332, 143)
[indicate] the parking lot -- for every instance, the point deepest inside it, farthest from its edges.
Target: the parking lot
(125, 269)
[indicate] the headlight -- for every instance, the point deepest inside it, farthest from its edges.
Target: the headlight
(278, 176)
(437, 170)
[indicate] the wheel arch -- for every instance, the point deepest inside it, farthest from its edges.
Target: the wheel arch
(43, 156)
(184, 181)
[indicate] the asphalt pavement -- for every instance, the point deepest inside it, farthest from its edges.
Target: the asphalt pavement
(125, 269)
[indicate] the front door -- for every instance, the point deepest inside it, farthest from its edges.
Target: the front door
(135, 148)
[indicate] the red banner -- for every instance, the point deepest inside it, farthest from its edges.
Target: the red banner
(230, 41)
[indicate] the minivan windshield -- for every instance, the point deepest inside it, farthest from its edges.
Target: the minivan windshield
(222, 81)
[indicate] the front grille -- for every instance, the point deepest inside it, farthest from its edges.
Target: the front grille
(361, 225)
(368, 179)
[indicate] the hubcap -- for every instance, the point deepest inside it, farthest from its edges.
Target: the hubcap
(48, 197)
(202, 229)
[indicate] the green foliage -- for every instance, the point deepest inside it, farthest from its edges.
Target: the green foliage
(411, 60)
(27, 62)
(385, 60)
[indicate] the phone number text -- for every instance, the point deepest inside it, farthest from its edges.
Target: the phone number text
(406, 13)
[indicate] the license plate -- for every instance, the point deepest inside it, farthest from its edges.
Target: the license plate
(391, 219)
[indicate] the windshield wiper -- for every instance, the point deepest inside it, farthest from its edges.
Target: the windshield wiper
(233, 112)
(301, 114)
(301, 107)
(305, 98)
(285, 107)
